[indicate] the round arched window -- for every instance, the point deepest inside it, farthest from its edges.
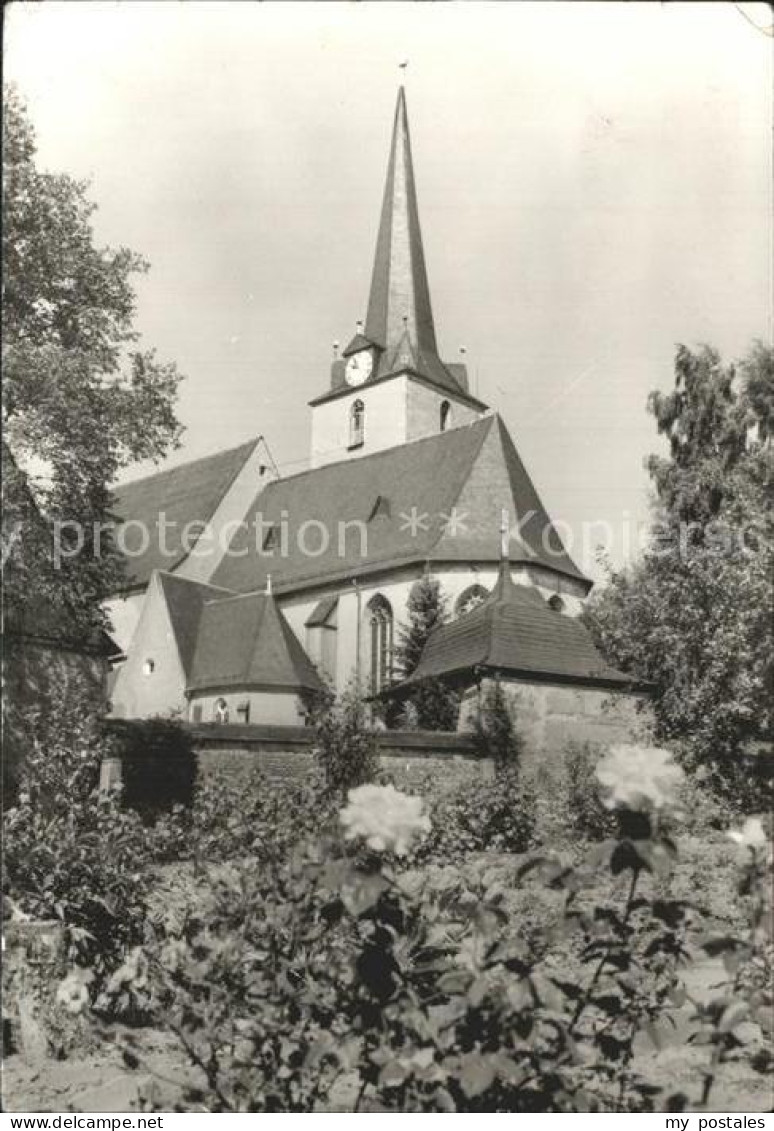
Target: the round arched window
(221, 711)
(470, 599)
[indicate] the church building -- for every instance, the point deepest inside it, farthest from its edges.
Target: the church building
(267, 585)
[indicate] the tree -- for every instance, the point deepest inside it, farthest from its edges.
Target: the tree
(345, 747)
(495, 733)
(81, 401)
(433, 703)
(695, 615)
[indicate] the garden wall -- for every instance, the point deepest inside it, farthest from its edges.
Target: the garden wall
(286, 753)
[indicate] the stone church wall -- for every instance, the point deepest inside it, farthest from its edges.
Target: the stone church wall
(549, 715)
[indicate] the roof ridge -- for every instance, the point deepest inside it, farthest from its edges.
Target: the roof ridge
(118, 487)
(233, 596)
(383, 452)
(166, 573)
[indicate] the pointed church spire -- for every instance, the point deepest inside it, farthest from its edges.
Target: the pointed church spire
(399, 300)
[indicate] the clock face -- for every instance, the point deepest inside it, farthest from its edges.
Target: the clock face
(359, 367)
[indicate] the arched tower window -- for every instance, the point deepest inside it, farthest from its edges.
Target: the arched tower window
(445, 415)
(469, 599)
(380, 621)
(221, 711)
(357, 424)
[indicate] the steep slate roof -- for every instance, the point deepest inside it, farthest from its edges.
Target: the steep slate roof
(515, 631)
(400, 316)
(474, 468)
(185, 600)
(246, 642)
(188, 493)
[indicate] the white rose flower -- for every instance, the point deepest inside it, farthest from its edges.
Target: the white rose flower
(751, 835)
(641, 778)
(73, 992)
(388, 821)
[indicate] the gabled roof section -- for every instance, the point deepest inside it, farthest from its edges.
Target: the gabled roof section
(245, 642)
(188, 493)
(514, 631)
(500, 480)
(466, 468)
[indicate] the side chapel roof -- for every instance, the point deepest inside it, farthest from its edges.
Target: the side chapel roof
(515, 631)
(245, 641)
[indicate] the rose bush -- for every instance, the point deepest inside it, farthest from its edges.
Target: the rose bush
(330, 971)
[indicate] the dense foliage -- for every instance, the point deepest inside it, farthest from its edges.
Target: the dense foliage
(158, 763)
(433, 705)
(695, 615)
(586, 814)
(496, 732)
(345, 747)
(70, 853)
(80, 399)
(333, 978)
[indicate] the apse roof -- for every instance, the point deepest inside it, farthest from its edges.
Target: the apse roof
(246, 642)
(514, 631)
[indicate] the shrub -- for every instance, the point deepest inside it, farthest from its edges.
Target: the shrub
(414, 987)
(70, 853)
(485, 816)
(345, 747)
(495, 733)
(586, 814)
(158, 763)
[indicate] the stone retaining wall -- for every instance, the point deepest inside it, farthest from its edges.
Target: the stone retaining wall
(285, 753)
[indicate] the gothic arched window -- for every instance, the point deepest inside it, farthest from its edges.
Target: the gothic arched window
(445, 415)
(469, 599)
(357, 424)
(380, 621)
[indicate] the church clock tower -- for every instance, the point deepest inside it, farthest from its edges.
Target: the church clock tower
(390, 386)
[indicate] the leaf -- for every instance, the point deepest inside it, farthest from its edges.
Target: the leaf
(720, 944)
(478, 991)
(360, 893)
(530, 865)
(477, 1075)
(733, 1015)
(626, 858)
(392, 1075)
(455, 981)
(129, 1058)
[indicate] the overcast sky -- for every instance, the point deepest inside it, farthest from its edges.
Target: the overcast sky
(594, 186)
